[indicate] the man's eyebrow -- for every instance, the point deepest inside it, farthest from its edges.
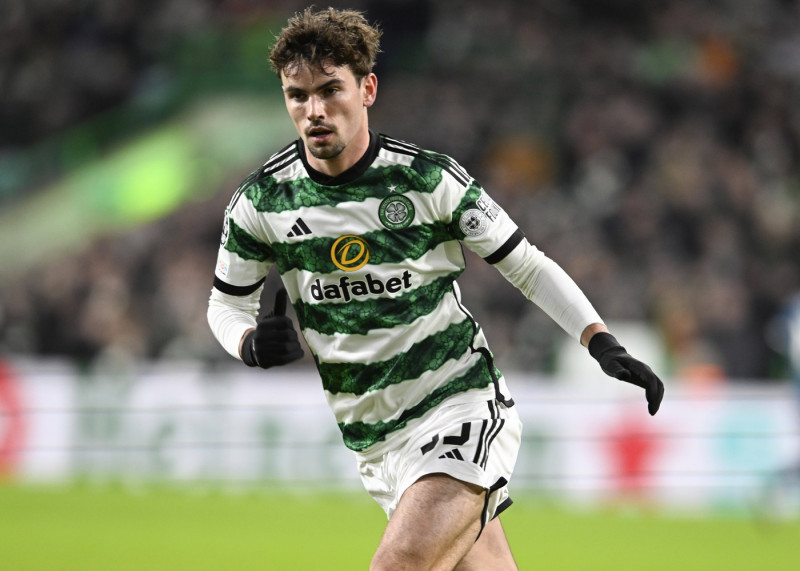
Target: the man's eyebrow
(329, 83)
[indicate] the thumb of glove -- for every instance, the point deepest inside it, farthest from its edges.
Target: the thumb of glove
(274, 341)
(281, 301)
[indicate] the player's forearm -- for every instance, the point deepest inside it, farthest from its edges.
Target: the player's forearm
(230, 320)
(546, 284)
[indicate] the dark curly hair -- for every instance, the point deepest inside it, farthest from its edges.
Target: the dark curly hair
(331, 36)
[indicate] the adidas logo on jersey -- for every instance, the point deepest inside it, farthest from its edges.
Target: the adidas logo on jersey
(299, 229)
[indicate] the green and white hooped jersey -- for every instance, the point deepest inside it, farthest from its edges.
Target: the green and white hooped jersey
(370, 260)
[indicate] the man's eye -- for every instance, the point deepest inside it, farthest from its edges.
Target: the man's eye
(297, 96)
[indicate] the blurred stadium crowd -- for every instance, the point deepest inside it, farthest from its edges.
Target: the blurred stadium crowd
(651, 148)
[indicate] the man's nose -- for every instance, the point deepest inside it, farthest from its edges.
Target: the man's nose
(316, 108)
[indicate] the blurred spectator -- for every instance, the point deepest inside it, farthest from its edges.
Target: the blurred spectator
(64, 61)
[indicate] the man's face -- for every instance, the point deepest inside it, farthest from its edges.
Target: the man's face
(329, 111)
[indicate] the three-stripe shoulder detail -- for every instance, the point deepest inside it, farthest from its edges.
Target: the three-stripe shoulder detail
(442, 161)
(275, 163)
(280, 159)
(399, 146)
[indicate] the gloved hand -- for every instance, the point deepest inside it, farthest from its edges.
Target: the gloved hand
(616, 362)
(274, 340)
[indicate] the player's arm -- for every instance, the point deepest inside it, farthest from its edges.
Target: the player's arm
(486, 229)
(243, 262)
(232, 316)
(545, 283)
(265, 343)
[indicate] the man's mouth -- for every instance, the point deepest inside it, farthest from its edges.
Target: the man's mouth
(319, 134)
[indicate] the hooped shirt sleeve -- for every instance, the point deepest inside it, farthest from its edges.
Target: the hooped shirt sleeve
(243, 261)
(484, 227)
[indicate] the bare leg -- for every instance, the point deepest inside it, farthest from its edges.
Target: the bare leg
(491, 551)
(435, 526)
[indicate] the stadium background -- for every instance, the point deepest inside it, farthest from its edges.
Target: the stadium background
(650, 148)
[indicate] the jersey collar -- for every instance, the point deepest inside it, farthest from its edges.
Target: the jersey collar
(350, 174)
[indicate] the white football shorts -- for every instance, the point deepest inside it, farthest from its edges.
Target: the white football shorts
(472, 442)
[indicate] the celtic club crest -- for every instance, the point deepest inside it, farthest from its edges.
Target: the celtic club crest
(396, 211)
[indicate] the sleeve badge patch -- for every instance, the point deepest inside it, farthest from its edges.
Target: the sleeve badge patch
(473, 222)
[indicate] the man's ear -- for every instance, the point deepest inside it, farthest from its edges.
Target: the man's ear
(369, 89)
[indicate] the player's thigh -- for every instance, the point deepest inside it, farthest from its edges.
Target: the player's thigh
(491, 551)
(434, 526)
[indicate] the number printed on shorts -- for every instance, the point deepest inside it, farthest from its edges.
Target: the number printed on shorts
(477, 449)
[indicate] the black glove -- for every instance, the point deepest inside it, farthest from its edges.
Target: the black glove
(274, 340)
(616, 362)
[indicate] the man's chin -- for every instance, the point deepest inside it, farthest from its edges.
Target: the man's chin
(325, 152)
